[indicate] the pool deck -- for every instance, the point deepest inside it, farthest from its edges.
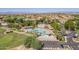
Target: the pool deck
(47, 38)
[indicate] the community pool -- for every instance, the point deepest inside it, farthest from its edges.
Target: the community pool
(39, 31)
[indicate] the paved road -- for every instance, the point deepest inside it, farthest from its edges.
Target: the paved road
(54, 44)
(72, 44)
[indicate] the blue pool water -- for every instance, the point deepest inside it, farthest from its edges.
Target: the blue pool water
(39, 31)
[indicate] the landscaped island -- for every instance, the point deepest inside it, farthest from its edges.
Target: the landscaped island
(39, 31)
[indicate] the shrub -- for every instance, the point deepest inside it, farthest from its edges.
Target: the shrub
(31, 41)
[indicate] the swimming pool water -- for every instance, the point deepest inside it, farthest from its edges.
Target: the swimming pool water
(39, 31)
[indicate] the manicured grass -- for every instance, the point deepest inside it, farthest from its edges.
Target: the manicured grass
(1, 30)
(18, 30)
(11, 40)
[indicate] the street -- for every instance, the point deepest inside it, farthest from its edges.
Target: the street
(54, 44)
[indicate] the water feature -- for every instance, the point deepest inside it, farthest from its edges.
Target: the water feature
(39, 31)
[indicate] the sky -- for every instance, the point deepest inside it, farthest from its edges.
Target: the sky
(39, 10)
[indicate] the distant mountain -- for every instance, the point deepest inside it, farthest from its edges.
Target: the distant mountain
(37, 12)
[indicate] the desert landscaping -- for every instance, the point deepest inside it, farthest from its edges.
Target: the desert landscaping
(40, 31)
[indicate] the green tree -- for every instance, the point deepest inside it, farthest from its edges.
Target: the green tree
(31, 41)
(10, 19)
(20, 20)
(77, 23)
(30, 23)
(56, 25)
(69, 25)
(60, 37)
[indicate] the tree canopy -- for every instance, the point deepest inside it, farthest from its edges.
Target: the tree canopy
(56, 25)
(31, 41)
(69, 25)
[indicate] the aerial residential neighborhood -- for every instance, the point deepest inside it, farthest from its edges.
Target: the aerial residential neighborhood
(39, 31)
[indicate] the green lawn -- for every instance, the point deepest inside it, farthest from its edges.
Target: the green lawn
(1, 30)
(18, 30)
(11, 40)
